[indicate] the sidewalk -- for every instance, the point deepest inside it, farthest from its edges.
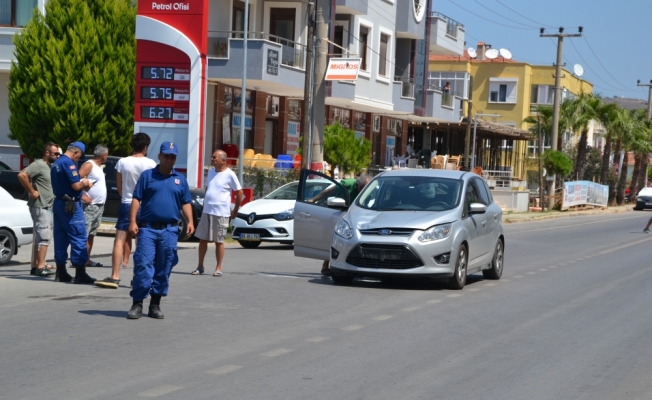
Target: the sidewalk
(537, 216)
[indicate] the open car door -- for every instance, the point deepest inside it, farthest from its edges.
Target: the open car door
(314, 220)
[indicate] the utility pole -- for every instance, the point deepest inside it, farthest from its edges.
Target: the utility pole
(557, 100)
(649, 123)
(469, 117)
(540, 162)
(307, 89)
(243, 93)
(322, 22)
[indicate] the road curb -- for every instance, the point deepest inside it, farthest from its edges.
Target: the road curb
(531, 216)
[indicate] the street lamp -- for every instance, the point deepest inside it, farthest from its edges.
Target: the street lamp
(475, 125)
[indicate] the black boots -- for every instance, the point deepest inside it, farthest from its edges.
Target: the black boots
(136, 310)
(81, 277)
(62, 274)
(155, 307)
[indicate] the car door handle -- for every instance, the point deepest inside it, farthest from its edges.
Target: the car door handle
(114, 188)
(495, 216)
(484, 222)
(304, 214)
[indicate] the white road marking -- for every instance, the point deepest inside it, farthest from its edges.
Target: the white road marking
(542, 269)
(472, 289)
(504, 280)
(317, 339)
(518, 276)
(434, 301)
(225, 369)
(159, 391)
(454, 295)
(352, 327)
(553, 266)
(410, 309)
(531, 273)
(277, 352)
(489, 284)
(383, 317)
(574, 225)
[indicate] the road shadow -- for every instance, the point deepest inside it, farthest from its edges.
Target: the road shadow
(105, 313)
(398, 283)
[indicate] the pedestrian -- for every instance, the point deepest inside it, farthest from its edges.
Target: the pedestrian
(160, 194)
(353, 186)
(214, 222)
(69, 222)
(36, 181)
(128, 171)
(93, 199)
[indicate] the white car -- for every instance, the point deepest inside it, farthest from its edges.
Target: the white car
(271, 219)
(15, 226)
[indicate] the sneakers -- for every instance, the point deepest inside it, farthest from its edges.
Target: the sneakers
(136, 311)
(155, 311)
(108, 283)
(646, 231)
(41, 272)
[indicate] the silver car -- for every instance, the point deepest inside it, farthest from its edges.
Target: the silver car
(412, 222)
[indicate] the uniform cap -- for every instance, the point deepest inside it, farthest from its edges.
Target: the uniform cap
(81, 146)
(169, 148)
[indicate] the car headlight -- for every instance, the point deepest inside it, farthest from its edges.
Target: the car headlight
(343, 229)
(435, 233)
(285, 215)
(199, 200)
(639, 199)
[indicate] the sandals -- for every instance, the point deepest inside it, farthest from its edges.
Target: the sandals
(95, 264)
(197, 272)
(217, 273)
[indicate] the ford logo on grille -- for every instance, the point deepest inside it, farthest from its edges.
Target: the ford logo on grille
(384, 232)
(251, 218)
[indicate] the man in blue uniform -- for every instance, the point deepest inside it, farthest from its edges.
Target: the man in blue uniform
(69, 221)
(159, 195)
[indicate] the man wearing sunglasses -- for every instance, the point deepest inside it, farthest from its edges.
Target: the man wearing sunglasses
(36, 181)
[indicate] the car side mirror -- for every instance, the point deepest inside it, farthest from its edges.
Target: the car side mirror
(336, 202)
(477, 208)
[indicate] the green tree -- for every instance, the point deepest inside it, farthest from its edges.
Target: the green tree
(73, 78)
(343, 149)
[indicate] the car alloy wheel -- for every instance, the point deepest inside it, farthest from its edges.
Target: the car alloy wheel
(458, 280)
(496, 269)
(7, 246)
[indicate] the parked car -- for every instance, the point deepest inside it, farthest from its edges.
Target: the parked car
(9, 182)
(644, 199)
(15, 226)
(271, 219)
(113, 199)
(418, 222)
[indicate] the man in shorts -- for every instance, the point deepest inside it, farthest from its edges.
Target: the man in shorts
(93, 199)
(36, 181)
(214, 222)
(128, 171)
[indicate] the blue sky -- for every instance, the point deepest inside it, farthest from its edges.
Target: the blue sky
(615, 51)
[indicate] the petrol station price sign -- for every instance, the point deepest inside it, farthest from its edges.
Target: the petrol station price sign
(165, 73)
(164, 93)
(169, 113)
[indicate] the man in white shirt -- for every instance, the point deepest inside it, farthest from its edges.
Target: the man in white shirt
(221, 181)
(128, 171)
(93, 199)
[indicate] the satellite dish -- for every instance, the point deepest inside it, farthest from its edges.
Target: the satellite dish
(491, 54)
(579, 71)
(472, 52)
(506, 54)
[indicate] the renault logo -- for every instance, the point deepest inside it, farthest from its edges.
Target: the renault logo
(384, 232)
(251, 218)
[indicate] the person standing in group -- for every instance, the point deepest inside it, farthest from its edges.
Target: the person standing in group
(128, 171)
(214, 222)
(36, 181)
(69, 222)
(93, 200)
(160, 194)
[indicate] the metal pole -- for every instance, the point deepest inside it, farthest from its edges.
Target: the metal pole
(311, 102)
(307, 87)
(469, 115)
(472, 162)
(243, 94)
(541, 197)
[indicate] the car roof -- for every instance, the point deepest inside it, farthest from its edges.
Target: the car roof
(442, 173)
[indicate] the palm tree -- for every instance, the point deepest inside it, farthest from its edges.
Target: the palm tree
(642, 147)
(626, 137)
(590, 108)
(611, 122)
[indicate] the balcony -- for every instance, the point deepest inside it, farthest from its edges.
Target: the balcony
(446, 35)
(353, 7)
(407, 26)
(443, 106)
(403, 94)
(269, 58)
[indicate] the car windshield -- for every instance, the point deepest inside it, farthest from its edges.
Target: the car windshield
(289, 191)
(411, 193)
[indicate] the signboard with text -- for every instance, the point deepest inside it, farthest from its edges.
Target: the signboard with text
(342, 69)
(584, 193)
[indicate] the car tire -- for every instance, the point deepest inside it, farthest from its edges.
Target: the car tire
(458, 280)
(496, 270)
(248, 245)
(183, 229)
(342, 279)
(638, 208)
(7, 246)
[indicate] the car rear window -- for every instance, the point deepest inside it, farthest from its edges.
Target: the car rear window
(416, 193)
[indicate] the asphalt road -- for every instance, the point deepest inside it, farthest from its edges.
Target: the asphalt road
(569, 320)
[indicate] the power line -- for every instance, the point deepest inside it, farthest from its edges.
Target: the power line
(500, 15)
(521, 15)
(596, 57)
(591, 69)
(488, 20)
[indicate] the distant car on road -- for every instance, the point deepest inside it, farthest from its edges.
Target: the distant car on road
(15, 226)
(413, 222)
(644, 199)
(271, 219)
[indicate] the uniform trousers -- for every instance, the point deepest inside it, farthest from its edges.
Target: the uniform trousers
(69, 230)
(156, 254)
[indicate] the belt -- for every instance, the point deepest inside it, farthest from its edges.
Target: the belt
(62, 199)
(156, 225)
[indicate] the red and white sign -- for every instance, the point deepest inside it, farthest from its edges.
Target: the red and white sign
(343, 69)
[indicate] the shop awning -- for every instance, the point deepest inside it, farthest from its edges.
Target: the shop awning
(495, 129)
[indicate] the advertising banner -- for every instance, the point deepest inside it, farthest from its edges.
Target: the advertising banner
(584, 193)
(342, 69)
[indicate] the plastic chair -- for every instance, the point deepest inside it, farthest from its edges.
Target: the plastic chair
(297, 161)
(283, 161)
(232, 152)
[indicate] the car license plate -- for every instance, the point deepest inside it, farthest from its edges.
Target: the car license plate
(377, 254)
(648, 203)
(250, 236)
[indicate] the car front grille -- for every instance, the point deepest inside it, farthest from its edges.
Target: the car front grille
(383, 256)
(245, 217)
(387, 231)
